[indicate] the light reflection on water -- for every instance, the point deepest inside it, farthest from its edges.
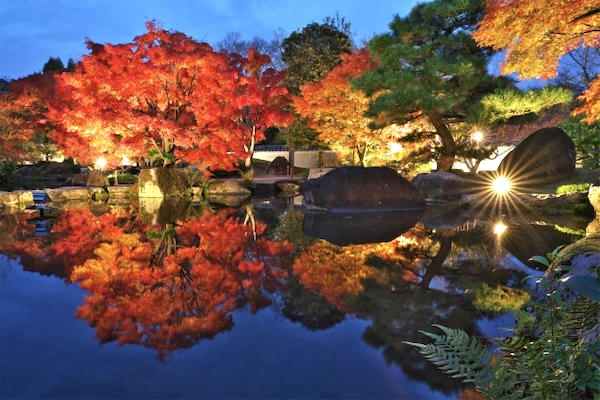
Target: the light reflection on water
(313, 320)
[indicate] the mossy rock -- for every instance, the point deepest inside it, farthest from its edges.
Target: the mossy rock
(162, 183)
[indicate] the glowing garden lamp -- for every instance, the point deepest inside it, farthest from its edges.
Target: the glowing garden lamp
(501, 185)
(101, 163)
(477, 136)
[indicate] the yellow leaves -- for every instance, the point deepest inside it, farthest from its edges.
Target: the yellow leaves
(536, 33)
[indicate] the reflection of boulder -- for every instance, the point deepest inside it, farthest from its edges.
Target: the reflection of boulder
(357, 189)
(162, 182)
(528, 240)
(547, 155)
(444, 218)
(157, 211)
(441, 186)
(359, 228)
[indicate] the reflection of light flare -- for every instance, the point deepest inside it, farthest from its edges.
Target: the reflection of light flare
(101, 163)
(499, 228)
(501, 185)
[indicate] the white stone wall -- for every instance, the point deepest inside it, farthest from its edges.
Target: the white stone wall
(302, 159)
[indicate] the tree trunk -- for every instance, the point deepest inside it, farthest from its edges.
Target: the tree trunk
(291, 151)
(448, 150)
(248, 161)
(435, 267)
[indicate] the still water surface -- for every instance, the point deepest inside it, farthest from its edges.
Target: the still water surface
(241, 303)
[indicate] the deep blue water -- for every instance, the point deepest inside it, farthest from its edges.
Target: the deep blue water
(46, 352)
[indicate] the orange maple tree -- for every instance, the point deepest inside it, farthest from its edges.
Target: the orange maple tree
(535, 34)
(22, 110)
(337, 112)
(262, 98)
(164, 94)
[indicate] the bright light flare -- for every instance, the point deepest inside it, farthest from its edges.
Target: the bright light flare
(501, 185)
(499, 228)
(101, 163)
(477, 136)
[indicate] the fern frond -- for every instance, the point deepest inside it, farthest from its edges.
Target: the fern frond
(460, 356)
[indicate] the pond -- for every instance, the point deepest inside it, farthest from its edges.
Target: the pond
(260, 301)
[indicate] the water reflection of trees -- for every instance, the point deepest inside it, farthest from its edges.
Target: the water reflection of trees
(168, 286)
(165, 287)
(423, 277)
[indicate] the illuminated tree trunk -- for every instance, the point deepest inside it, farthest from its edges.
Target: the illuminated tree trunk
(250, 148)
(447, 155)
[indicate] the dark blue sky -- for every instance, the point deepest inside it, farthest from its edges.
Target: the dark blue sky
(31, 31)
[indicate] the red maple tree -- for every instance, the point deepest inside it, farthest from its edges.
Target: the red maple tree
(164, 94)
(22, 115)
(262, 99)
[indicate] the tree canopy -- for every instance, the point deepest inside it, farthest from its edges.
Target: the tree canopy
(535, 34)
(311, 53)
(166, 95)
(337, 112)
(430, 67)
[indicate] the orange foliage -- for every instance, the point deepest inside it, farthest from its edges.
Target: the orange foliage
(337, 272)
(337, 111)
(216, 268)
(167, 93)
(536, 33)
(75, 235)
(22, 114)
(262, 98)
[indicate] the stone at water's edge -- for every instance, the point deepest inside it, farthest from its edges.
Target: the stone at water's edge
(441, 186)
(545, 156)
(594, 198)
(162, 182)
(358, 189)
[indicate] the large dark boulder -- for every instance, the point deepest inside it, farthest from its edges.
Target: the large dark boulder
(545, 156)
(358, 189)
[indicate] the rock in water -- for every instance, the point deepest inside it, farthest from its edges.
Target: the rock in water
(358, 189)
(545, 156)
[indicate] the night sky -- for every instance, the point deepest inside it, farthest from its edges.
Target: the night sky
(32, 31)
